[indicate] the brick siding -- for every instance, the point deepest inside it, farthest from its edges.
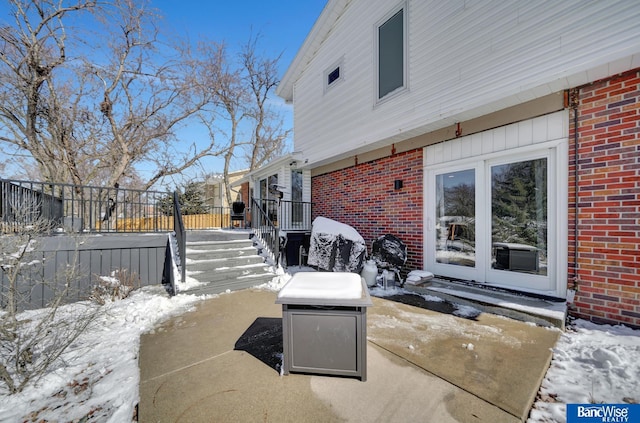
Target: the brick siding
(608, 160)
(364, 197)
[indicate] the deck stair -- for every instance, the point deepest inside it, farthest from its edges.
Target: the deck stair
(222, 260)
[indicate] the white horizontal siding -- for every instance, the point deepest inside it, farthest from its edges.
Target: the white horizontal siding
(539, 130)
(306, 185)
(339, 110)
(466, 59)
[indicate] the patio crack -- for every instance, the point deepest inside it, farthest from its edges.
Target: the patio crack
(431, 372)
(187, 366)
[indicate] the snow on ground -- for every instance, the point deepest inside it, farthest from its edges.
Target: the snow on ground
(98, 377)
(459, 309)
(99, 380)
(591, 364)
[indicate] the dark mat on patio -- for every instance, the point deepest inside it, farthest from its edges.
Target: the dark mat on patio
(442, 306)
(263, 340)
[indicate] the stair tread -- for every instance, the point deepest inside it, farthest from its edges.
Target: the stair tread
(224, 260)
(232, 285)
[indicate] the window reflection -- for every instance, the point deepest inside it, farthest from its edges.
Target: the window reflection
(455, 213)
(519, 216)
(296, 198)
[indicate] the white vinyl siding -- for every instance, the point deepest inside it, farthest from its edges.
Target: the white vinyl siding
(306, 185)
(464, 60)
(526, 133)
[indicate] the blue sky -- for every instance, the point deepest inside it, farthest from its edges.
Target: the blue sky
(282, 25)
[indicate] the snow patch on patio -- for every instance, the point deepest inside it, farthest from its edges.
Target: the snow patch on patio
(431, 327)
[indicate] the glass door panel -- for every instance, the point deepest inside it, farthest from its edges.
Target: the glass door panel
(519, 217)
(455, 233)
(498, 219)
(296, 199)
(273, 198)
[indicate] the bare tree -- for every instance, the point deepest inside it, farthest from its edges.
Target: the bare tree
(145, 99)
(268, 133)
(224, 81)
(30, 346)
(33, 109)
(91, 104)
(89, 107)
(242, 87)
(231, 96)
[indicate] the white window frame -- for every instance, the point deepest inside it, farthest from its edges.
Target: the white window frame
(523, 280)
(404, 7)
(459, 272)
(337, 64)
(556, 152)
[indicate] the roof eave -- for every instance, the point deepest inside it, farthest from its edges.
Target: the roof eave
(320, 28)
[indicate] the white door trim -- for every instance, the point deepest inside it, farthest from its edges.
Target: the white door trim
(506, 144)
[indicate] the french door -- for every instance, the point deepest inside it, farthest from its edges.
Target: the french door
(493, 220)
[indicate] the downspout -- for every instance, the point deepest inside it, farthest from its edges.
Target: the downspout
(574, 99)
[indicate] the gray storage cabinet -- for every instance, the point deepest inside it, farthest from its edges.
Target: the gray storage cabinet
(517, 257)
(325, 332)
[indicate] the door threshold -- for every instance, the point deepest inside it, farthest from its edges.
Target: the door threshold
(520, 306)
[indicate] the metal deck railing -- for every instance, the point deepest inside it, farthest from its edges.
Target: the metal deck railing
(73, 208)
(288, 215)
(272, 219)
(265, 229)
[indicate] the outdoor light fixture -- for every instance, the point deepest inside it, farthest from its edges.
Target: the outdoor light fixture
(397, 184)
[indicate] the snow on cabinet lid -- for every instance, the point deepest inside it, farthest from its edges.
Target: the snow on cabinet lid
(323, 285)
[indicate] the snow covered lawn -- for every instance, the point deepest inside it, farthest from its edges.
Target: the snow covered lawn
(591, 364)
(99, 378)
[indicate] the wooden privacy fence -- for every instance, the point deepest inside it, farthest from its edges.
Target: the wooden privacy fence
(191, 221)
(207, 221)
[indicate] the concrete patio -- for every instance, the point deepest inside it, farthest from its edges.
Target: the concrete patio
(220, 363)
